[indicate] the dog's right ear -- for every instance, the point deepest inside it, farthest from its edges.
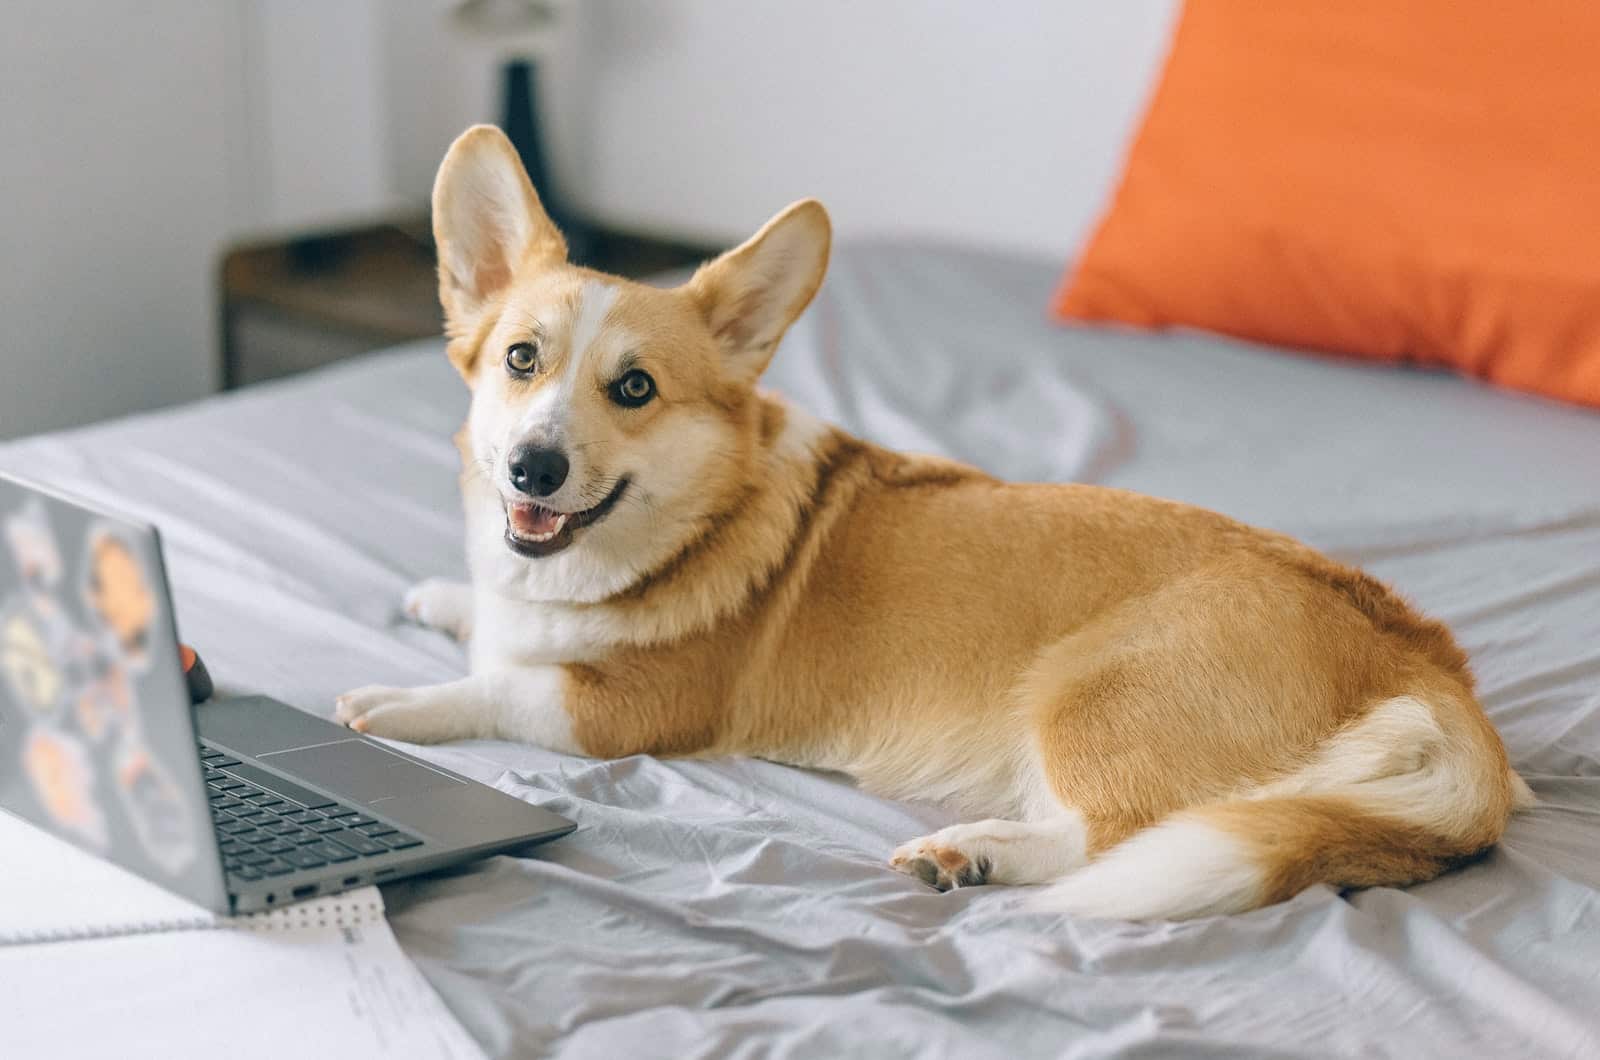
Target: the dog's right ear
(488, 225)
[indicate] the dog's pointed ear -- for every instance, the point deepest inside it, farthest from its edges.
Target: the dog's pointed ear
(750, 295)
(487, 223)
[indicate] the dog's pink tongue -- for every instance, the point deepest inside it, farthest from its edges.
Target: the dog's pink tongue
(533, 520)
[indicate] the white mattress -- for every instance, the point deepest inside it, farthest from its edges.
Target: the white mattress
(741, 908)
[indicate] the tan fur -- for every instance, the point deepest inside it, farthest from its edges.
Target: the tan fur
(1014, 650)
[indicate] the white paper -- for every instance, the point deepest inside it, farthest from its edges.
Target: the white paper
(347, 992)
(170, 979)
(50, 887)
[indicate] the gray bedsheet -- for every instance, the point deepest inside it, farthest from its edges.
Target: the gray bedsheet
(741, 908)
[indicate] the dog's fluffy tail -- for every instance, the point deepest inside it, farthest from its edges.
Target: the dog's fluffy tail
(1395, 799)
(1236, 856)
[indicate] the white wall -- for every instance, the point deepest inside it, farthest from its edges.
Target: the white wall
(137, 140)
(112, 194)
(311, 118)
(1000, 123)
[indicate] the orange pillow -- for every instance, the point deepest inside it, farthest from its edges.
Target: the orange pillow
(1415, 181)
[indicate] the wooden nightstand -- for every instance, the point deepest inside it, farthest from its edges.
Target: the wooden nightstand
(312, 300)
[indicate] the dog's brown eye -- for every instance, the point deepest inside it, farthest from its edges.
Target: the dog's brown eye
(634, 389)
(522, 357)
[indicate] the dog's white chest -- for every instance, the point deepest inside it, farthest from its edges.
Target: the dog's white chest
(512, 633)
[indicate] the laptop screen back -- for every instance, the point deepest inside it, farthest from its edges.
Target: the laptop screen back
(96, 736)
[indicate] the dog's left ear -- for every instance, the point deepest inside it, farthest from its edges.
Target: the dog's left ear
(750, 295)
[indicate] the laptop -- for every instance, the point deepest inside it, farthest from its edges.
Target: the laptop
(238, 804)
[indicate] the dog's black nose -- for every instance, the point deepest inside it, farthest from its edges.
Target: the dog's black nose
(538, 471)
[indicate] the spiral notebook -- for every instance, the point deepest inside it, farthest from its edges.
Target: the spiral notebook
(97, 961)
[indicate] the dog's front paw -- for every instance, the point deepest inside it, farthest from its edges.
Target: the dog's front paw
(396, 713)
(940, 864)
(441, 604)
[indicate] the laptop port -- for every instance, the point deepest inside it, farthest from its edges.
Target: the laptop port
(381, 873)
(350, 881)
(271, 898)
(305, 890)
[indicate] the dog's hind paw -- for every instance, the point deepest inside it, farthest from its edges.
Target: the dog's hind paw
(996, 851)
(940, 866)
(441, 604)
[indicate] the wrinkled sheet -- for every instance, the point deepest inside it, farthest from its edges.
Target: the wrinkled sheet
(741, 908)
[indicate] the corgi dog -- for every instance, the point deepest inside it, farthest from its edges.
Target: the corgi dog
(1154, 710)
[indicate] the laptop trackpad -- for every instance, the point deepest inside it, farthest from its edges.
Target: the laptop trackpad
(359, 770)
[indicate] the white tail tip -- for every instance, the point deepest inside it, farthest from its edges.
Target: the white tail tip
(1180, 868)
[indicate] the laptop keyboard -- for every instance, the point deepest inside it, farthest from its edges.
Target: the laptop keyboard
(268, 826)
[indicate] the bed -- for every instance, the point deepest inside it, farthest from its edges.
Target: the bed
(742, 908)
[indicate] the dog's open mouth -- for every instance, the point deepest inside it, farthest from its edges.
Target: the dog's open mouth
(534, 530)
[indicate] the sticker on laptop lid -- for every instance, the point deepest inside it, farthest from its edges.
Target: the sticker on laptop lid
(70, 673)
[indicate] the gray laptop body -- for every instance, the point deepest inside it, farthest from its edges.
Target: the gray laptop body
(239, 804)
